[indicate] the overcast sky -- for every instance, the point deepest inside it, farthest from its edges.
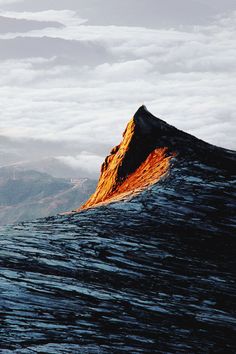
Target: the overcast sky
(73, 72)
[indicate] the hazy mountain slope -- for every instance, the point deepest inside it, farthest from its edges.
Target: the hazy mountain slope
(151, 271)
(27, 194)
(56, 167)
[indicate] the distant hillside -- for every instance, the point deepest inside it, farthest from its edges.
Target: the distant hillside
(54, 166)
(28, 194)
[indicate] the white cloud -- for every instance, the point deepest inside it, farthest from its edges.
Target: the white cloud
(185, 77)
(125, 70)
(85, 161)
(95, 110)
(66, 17)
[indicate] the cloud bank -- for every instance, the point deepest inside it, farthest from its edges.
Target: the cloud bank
(78, 84)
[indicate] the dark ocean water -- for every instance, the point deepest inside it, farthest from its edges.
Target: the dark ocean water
(153, 274)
